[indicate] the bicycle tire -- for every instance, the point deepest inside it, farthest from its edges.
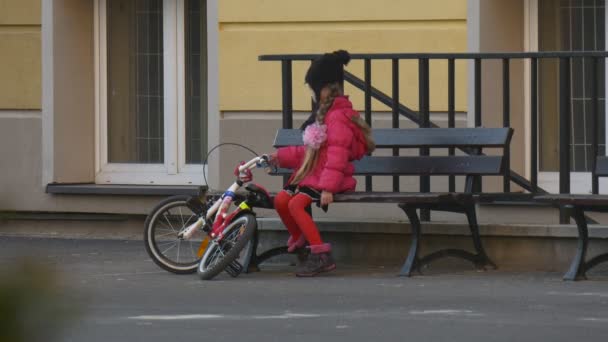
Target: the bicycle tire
(152, 244)
(247, 219)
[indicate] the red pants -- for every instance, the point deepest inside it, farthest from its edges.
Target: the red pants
(292, 210)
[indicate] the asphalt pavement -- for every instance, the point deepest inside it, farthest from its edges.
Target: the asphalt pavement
(122, 296)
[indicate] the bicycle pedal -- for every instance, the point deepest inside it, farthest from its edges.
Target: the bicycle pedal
(234, 269)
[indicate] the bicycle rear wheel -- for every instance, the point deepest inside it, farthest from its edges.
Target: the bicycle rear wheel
(161, 239)
(233, 252)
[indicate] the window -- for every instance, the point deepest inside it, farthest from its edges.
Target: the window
(570, 25)
(152, 96)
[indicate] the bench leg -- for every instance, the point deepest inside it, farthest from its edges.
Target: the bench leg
(412, 261)
(252, 266)
(482, 259)
(267, 255)
(578, 267)
(595, 261)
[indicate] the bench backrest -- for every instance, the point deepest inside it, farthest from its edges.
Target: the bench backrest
(471, 139)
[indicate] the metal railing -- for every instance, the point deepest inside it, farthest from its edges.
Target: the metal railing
(422, 116)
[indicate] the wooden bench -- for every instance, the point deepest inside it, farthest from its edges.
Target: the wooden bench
(471, 165)
(576, 206)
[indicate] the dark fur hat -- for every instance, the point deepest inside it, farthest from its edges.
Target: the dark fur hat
(327, 69)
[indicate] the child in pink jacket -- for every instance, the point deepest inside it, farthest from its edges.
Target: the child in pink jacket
(333, 137)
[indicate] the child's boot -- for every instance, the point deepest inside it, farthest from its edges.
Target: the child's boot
(320, 260)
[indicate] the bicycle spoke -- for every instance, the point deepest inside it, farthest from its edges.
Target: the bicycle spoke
(179, 244)
(165, 230)
(188, 221)
(192, 250)
(168, 249)
(181, 216)
(161, 235)
(214, 258)
(165, 243)
(165, 215)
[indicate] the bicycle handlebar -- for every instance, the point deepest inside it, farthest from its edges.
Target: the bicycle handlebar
(259, 161)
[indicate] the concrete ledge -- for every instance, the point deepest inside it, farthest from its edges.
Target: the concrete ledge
(131, 227)
(512, 247)
(445, 228)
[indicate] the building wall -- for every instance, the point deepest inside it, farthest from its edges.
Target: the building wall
(256, 27)
(20, 98)
(20, 54)
(249, 89)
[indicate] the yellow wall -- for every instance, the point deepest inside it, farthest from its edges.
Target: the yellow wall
(256, 27)
(20, 61)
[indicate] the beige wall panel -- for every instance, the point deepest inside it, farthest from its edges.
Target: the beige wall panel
(248, 84)
(74, 92)
(20, 68)
(502, 24)
(339, 10)
(20, 161)
(20, 12)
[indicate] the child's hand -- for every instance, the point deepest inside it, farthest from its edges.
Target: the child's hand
(245, 176)
(272, 159)
(326, 198)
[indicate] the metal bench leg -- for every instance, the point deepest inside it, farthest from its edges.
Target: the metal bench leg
(578, 267)
(255, 260)
(482, 259)
(412, 261)
(595, 261)
(252, 266)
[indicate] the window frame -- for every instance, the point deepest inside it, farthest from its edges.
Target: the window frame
(174, 170)
(548, 180)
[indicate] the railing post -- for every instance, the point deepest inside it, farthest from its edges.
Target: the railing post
(506, 122)
(367, 65)
(564, 131)
(477, 184)
(287, 94)
(451, 114)
(395, 108)
(423, 104)
(534, 124)
(287, 99)
(595, 187)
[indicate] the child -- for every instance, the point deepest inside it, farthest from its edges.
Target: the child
(333, 137)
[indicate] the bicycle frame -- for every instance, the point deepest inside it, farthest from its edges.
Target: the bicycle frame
(220, 207)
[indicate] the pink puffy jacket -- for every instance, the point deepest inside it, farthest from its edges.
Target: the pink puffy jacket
(345, 143)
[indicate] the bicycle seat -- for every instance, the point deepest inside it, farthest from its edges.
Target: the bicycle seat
(262, 197)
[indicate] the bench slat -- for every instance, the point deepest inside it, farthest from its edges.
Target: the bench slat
(402, 197)
(577, 199)
(419, 137)
(425, 165)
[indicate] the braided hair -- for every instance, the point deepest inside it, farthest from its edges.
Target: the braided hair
(312, 155)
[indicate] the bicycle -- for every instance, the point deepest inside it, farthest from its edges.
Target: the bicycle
(222, 240)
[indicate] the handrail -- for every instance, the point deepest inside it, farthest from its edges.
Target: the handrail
(456, 55)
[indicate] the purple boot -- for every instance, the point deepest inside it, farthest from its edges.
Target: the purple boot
(319, 261)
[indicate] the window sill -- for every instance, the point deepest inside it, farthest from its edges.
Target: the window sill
(116, 189)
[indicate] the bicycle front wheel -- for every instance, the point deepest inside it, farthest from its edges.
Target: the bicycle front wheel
(233, 252)
(162, 241)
